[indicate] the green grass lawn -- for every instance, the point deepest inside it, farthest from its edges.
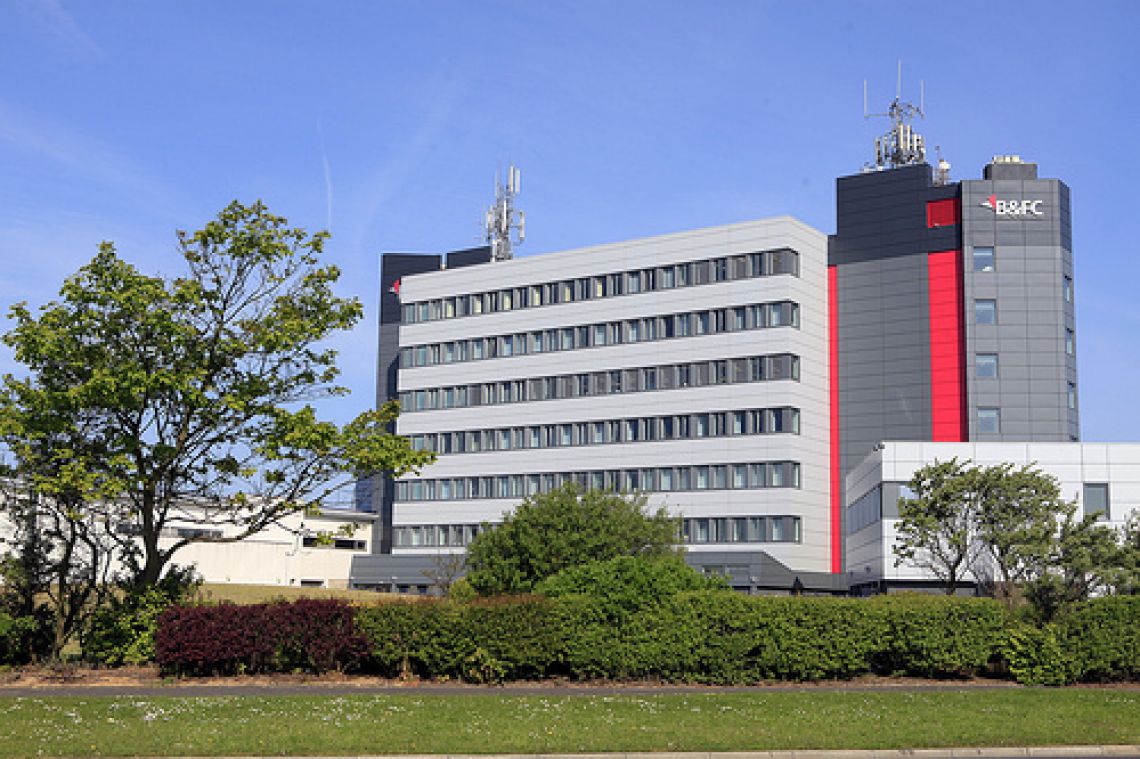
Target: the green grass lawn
(256, 594)
(487, 723)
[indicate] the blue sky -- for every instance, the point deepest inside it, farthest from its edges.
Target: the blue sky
(386, 123)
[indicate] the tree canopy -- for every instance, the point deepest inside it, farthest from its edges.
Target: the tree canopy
(1011, 529)
(565, 528)
(148, 398)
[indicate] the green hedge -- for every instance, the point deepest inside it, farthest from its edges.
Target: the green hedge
(15, 637)
(707, 636)
(1102, 639)
(716, 637)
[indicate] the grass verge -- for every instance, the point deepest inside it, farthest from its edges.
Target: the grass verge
(256, 594)
(485, 723)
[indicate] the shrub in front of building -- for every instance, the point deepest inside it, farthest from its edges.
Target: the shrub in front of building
(307, 635)
(707, 636)
(937, 636)
(716, 637)
(1102, 635)
(15, 638)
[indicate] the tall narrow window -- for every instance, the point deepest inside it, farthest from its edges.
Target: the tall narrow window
(984, 259)
(1096, 500)
(985, 311)
(1070, 343)
(987, 366)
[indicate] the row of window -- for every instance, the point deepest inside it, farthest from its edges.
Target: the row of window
(768, 474)
(674, 427)
(702, 530)
(710, 322)
(986, 367)
(986, 312)
(780, 366)
(744, 266)
(985, 260)
(881, 501)
(191, 533)
(698, 530)
(344, 544)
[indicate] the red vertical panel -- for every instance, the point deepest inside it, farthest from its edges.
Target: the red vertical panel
(833, 387)
(947, 347)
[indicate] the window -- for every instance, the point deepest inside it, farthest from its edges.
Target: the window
(985, 311)
(1096, 500)
(1067, 289)
(1070, 343)
(987, 365)
(989, 421)
(983, 259)
(1072, 397)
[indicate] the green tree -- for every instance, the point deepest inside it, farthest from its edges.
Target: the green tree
(1018, 512)
(1084, 558)
(148, 399)
(565, 528)
(629, 584)
(937, 528)
(57, 568)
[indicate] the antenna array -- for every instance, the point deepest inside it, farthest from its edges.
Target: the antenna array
(901, 145)
(502, 217)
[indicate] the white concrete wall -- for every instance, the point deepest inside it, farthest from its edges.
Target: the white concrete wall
(869, 553)
(809, 394)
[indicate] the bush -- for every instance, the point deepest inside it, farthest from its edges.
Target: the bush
(423, 639)
(1102, 637)
(564, 528)
(1036, 656)
(629, 584)
(701, 636)
(122, 632)
(937, 636)
(311, 635)
(15, 635)
(486, 640)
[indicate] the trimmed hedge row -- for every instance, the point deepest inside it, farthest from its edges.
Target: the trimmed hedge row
(716, 637)
(309, 634)
(1103, 638)
(711, 637)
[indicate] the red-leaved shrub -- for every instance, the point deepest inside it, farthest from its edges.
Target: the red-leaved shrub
(310, 635)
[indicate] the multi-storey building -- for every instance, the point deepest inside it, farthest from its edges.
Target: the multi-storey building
(738, 375)
(691, 367)
(951, 309)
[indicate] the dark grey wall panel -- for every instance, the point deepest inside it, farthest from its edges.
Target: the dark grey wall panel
(1032, 257)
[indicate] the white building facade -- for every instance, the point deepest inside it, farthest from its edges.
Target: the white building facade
(692, 367)
(1103, 478)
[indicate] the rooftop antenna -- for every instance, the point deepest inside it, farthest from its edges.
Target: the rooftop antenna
(502, 217)
(901, 145)
(942, 173)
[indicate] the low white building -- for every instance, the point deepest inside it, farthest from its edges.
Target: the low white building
(305, 550)
(1103, 478)
(302, 550)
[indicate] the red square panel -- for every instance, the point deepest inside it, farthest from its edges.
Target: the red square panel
(942, 213)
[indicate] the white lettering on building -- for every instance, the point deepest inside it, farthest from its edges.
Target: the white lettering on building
(1014, 208)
